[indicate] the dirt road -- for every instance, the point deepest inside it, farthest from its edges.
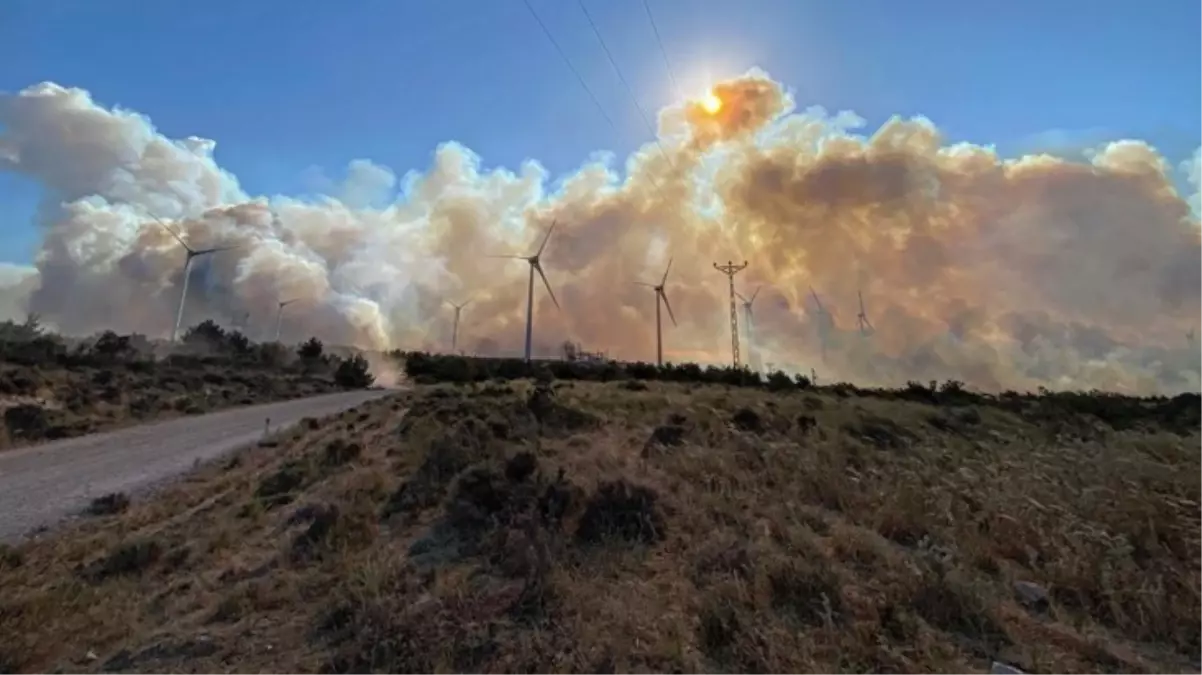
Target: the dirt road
(41, 485)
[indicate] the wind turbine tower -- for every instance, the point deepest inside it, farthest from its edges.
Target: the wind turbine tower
(455, 326)
(660, 296)
(865, 327)
(192, 254)
(823, 323)
(730, 270)
(279, 316)
(535, 266)
(752, 355)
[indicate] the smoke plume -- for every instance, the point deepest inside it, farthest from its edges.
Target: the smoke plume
(1005, 273)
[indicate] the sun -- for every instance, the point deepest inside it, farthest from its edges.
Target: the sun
(711, 103)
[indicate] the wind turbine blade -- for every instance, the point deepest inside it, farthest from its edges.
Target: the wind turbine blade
(213, 249)
(757, 292)
(170, 231)
(666, 270)
(546, 239)
(507, 257)
(643, 283)
(860, 295)
(547, 284)
(740, 296)
(668, 305)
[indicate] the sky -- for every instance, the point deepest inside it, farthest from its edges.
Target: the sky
(292, 91)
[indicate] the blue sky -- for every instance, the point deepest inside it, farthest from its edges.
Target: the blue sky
(283, 86)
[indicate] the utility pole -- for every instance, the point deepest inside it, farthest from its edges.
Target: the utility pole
(730, 270)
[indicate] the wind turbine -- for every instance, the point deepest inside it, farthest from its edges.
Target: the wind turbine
(279, 315)
(752, 356)
(455, 326)
(865, 327)
(660, 295)
(535, 266)
(823, 323)
(192, 254)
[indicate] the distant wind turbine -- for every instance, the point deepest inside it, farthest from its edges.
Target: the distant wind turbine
(279, 315)
(192, 254)
(455, 326)
(824, 322)
(660, 296)
(535, 266)
(752, 348)
(865, 327)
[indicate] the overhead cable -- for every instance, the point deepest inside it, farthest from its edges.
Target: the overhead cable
(629, 90)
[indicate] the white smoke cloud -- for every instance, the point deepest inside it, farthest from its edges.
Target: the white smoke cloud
(16, 283)
(1192, 168)
(1005, 273)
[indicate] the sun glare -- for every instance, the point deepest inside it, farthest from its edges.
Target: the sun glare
(711, 103)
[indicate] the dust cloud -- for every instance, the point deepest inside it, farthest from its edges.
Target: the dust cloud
(1002, 272)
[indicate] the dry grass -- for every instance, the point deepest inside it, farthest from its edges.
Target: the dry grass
(593, 528)
(51, 401)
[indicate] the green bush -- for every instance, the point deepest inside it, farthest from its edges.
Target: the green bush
(311, 350)
(354, 373)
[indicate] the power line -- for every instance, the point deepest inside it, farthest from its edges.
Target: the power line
(629, 89)
(568, 62)
(663, 52)
(583, 85)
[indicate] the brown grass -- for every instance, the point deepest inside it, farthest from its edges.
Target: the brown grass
(593, 528)
(49, 402)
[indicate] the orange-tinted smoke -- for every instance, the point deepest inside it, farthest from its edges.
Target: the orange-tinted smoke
(1000, 272)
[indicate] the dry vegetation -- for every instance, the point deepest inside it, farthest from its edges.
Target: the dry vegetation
(52, 388)
(630, 526)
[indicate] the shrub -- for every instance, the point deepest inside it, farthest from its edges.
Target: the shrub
(272, 354)
(206, 335)
(27, 420)
(354, 373)
(109, 504)
(112, 347)
(311, 350)
(778, 381)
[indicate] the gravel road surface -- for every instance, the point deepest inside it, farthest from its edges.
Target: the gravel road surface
(41, 485)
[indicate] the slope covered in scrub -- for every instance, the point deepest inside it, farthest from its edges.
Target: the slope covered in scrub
(593, 526)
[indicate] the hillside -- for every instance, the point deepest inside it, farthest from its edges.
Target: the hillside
(629, 525)
(53, 387)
